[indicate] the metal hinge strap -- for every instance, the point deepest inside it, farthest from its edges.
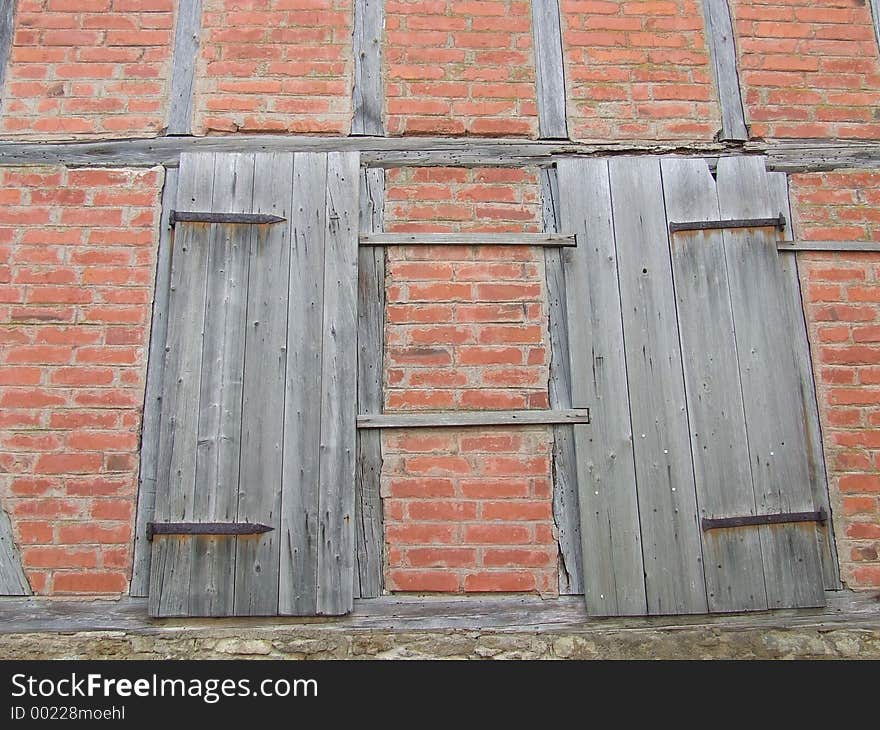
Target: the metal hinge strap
(779, 222)
(177, 216)
(781, 518)
(205, 528)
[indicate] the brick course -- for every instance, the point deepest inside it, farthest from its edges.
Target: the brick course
(466, 510)
(808, 68)
(77, 262)
(275, 66)
(842, 304)
(81, 68)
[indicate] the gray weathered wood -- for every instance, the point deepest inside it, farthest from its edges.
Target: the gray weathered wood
(613, 570)
(468, 239)
(369, 529)
(303, 393)
(778, 184)
(146, 498)
(566, 512)
(336, 544)
(722, 50)
(772, 396)
(549, 69)
(218, 451)
(671, 542)
(368, 94)
(187, 31)
(13, 581)
(265, 361)
(459, 419)
(172, 558)
(875, 16)
(7, 30)
(732, 558)
(789, 245)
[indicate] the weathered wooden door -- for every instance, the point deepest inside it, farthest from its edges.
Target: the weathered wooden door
(255, 494)
(700, 479)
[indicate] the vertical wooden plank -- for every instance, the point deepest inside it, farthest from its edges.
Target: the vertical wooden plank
(609, 512)
(187, 30)
(146, 500)
(13, 581)
(265, 362)
(549, 69)
(778, 183)
(368, 521)
(171, 563)
(566, 510)
(722, 50)
(664, 471)
(339, 388)
(303, 395)
(7, 30)
(368, 93)
(733, 568)
(771, 386)
(218, 449)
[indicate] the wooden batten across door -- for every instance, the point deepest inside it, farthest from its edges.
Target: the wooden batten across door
(255, 486)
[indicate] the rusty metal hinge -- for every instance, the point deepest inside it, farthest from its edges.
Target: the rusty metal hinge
(177, 216)
(779, 222)
(205, 528)
(780, 518)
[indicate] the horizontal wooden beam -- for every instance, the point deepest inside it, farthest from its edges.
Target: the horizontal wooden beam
(459, 419)
(828, 246)
(468, 239)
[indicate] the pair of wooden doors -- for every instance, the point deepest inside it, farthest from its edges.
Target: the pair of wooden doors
(255, 489)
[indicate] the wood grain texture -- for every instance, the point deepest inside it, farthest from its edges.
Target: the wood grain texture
(368, 93)
(459, 419)
(671, 542)
(7, 29)
(722, 50)
(566, 510)
(187, 31)
(257, 559)
(13, 581)
(719, 444)
(149, 457)
(613, 570)
(772, 396)
(303, 393)
(368, 522)
(549, 69)
(468, 239)
(172, 559)
(778, 184)
(336, 544)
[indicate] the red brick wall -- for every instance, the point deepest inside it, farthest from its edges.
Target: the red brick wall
(275, 66)
(466, 510)
(460, 67)
(842, 304)
(638, 70)
(88, 67)
(77, 262)
(808, 68)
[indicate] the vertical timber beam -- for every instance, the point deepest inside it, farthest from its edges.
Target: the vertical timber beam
(722, 48)
(549, 69)
(7, 28)
(146, 498)
(369, 529)
(566, 509)
(183, 66)
(368, 94)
